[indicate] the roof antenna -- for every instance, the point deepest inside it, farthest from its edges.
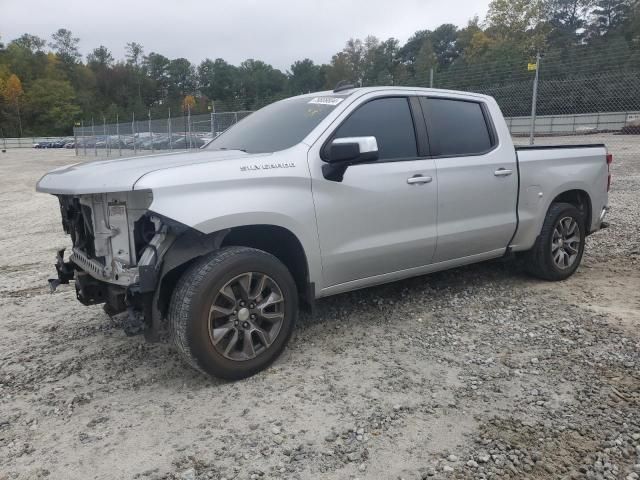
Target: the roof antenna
(343, 85)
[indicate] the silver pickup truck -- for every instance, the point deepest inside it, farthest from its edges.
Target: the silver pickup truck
(312, 196)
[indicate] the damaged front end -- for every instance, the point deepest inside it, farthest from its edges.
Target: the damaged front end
(118, 246)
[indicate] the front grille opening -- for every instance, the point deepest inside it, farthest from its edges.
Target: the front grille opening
(77, 222)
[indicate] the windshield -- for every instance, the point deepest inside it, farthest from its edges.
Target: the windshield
(277, 126)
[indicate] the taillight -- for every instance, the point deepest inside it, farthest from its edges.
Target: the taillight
(609, 162)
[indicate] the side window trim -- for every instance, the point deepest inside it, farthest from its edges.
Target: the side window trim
(420, 127)
(493, 138)
(414, 121)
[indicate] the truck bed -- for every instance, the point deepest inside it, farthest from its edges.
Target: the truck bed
(546, 171)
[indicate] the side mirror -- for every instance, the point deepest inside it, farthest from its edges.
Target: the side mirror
(343, 152)
(353, 150)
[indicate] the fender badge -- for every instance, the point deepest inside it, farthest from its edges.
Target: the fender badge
(266, 166)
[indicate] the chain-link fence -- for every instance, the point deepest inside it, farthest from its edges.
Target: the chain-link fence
(567, 98)
(187, 132)
(561, 99)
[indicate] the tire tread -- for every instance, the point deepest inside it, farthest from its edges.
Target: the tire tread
(184, 294)
(535, 261)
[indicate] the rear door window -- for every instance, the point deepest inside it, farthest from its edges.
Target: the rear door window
(389, 120)
(456, 127)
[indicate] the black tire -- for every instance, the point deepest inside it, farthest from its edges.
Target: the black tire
(539, 261)
(192, 299)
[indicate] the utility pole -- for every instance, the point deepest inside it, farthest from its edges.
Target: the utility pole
(95, 140)
(107, 144)
(150, 132)
(534, 101)
(431, 77)
(84, 140)
(133, 131)
(169, 129)
(75, 137)
(118, 134)
(213, 123)
(189, 123)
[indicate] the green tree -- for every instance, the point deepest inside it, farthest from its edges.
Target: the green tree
(219, 81)
(50, 105)
(135, 54)
(156, 67)
(339, 69)
(609, 14)
(567, 19)
(425, 61)
(444, 41)
(409, 51)
(354, 51)
(259, 84)
(32, 43)
(182, 78)
(519, 23)
(381, 62)
(100, 58)
(65, 45)
(305, 76)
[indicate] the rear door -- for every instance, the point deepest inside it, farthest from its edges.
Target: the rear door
(477, 179)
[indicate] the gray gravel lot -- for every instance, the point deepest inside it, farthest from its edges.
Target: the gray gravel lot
(479, 372)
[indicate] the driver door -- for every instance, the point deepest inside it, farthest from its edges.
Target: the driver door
(380, 220)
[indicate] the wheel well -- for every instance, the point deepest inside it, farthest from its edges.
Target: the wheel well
(581, 200)
(280, 243)
(277, 241)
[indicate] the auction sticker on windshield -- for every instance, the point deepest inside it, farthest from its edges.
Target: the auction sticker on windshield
(333, 101)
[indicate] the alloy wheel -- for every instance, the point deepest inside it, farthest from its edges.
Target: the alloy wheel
(246, 316)
(565, 243)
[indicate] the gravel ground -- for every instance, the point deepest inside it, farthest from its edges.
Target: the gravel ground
(479, 372)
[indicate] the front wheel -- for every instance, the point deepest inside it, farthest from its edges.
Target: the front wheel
(558, 250)
(233, 312)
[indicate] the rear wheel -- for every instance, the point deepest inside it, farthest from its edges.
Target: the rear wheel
(558, 250)
(233, 312)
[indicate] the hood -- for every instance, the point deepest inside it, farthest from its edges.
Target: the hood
(121, 174)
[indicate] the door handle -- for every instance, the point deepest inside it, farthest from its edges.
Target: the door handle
(503, 172)
(418, 179)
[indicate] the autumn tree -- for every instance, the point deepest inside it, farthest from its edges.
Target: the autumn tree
(188, 103)
(12, 92)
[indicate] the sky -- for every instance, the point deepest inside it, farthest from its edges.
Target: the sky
(275, 31)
